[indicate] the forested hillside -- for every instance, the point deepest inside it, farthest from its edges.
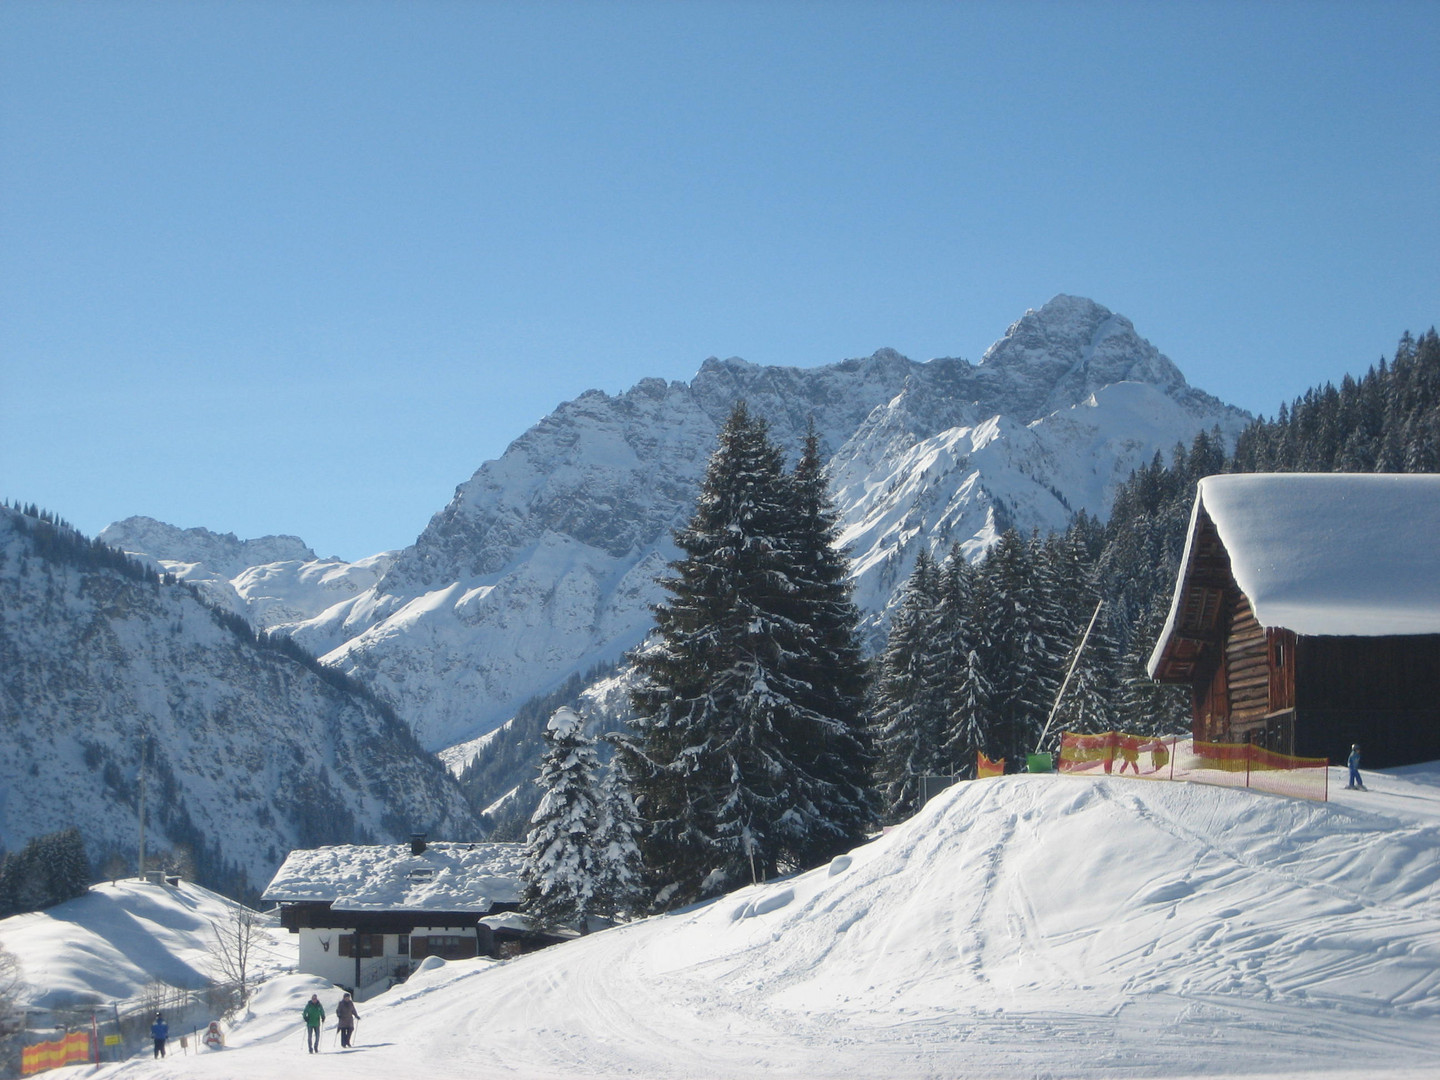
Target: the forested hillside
(977, 653)
(121, 688)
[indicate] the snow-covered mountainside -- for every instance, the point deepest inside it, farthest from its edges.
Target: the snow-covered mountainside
(272, 581)
(251, 751)
(1026, 926)
(544, 563)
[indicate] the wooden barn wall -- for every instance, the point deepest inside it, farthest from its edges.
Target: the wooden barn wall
(1383, 693)
(1247, 664)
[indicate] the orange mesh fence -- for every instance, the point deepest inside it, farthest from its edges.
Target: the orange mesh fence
(1224, 764)
(985, 767)
(1115, 752)
(73, 1049)
(1247, 765)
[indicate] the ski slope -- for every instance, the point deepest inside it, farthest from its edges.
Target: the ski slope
(1028, 926)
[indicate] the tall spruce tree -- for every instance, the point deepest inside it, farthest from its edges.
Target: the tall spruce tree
(619, 892)
(828, 677)
(562, 865)
(743, 762)
(908, 704)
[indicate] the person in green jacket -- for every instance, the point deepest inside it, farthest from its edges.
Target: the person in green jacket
(314, 1014)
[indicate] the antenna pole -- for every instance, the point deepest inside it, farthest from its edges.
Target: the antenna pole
(1073, 664)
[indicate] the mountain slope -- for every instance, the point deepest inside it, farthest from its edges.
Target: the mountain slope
(544, 562)
(251, 751)
(271, 581)
(1017, 927)
(543, 565)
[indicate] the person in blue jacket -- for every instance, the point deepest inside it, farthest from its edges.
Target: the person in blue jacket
(1354, 763)
(159, 1031)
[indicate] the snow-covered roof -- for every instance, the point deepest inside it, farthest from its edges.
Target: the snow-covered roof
(445, 877)
(1345, 554)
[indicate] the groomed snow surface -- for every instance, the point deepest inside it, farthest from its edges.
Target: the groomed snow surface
(1030, 926)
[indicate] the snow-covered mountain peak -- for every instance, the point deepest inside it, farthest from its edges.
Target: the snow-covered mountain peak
(272, 581)
(1072, 346)
(544, 563)
(223, 554)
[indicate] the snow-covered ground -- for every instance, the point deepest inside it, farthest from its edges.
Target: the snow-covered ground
(112, 945)
(1030, 926)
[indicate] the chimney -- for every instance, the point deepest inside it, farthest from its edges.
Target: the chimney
(417, 843)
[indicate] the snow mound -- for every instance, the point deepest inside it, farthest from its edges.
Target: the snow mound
(107, 946)
(1024, 926)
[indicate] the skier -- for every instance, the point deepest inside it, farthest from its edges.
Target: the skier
(314, 1014)
(345, 1017)
(214, 1037)
(1354, 763)
(159, 1031)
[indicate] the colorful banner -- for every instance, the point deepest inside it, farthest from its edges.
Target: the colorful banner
(985, 767)
(73, 1049)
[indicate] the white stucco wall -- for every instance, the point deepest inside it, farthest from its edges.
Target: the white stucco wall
(320, 955)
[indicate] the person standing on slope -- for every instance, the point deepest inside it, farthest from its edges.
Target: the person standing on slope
(345, 1017)
(314, 1014)
(159, 1031)
(1354, 763)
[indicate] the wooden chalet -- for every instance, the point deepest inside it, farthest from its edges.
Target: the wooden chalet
(1306, 616)
(366, 915)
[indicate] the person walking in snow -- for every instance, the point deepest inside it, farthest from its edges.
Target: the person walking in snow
(1354, 763)
(314, 1014)
(159, 1031)
(345, 1017)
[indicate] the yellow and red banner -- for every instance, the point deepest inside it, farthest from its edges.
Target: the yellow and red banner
(73, 1049)
(985, 767)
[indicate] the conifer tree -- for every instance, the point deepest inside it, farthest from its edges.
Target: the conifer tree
(619, 881)
(907, 709)
(828, 676)
(562, 866)
(745, 754)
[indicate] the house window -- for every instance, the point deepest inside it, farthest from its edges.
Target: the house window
(362, 945)
(446, 946)
(402, 945)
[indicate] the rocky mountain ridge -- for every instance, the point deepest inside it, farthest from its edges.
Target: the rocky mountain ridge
(544, 562)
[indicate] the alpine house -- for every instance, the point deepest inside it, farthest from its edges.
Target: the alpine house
(366, 914)
(1306, 617)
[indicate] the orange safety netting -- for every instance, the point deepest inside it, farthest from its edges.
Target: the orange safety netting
(1114, 751)
(985, 767)
(1224, 764)
(73, 1049)
(1256, 767)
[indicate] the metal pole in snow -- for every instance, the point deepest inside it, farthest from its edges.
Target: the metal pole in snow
(1073, 664)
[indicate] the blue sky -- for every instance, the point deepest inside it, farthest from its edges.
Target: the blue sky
(303, 267)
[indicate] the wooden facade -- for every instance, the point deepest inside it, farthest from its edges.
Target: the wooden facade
(1308, 695)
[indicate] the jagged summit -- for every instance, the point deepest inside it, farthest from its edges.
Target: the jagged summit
(222, 553)
(1072, 346)
(544, 563)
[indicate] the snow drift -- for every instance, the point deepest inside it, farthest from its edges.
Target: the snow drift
(1024, 926)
